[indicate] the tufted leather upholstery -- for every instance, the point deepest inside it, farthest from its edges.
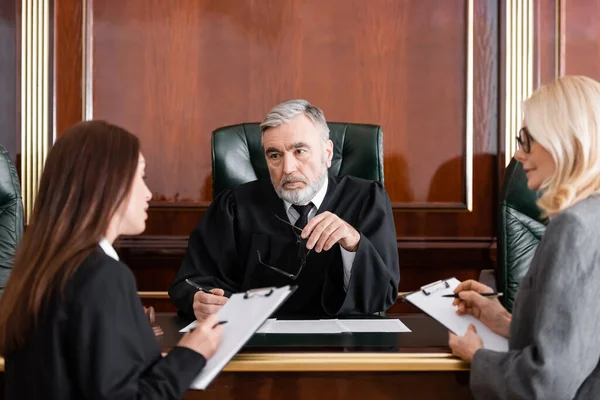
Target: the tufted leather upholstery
(520, 229)
(11, 215)
(238, 156)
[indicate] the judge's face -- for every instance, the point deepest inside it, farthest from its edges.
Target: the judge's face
(538, 163)
(297, 158)
(134, 210)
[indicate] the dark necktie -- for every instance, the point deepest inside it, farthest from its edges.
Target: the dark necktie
(303, 211)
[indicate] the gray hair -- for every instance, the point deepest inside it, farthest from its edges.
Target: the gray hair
(283, 113)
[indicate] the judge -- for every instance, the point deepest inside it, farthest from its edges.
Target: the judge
(334, 237)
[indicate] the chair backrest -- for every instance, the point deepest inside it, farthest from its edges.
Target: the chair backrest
(11, 215)
(520, 229)
(238, 156)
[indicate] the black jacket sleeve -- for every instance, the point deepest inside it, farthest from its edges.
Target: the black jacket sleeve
(113, 349)
(211, 257)
(375, 277)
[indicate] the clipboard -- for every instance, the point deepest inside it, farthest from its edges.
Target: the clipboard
(245, 313)
(429, 299)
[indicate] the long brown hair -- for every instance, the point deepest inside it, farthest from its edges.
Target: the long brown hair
(88, 174)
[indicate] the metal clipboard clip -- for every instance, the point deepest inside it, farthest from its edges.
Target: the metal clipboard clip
(434, 287)
(258, 292)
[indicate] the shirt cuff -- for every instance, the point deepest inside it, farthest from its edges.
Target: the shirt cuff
(347, 261)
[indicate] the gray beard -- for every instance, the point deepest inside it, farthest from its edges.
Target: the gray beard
(301, 196)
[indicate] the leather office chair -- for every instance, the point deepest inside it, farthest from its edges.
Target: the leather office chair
(520, 229)
(11, 215)
(238, 156)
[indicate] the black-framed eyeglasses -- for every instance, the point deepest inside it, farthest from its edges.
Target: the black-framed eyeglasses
(524, 139)
(302, 252)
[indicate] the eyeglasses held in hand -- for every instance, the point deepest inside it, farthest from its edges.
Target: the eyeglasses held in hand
(302, 252)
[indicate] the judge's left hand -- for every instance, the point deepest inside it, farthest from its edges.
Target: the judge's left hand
(326, 229)
(465, 346)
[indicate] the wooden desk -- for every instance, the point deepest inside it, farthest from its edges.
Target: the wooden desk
(416, 365)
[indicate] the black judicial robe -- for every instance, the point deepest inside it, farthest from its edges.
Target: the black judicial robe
(97, 343)
(222, 250)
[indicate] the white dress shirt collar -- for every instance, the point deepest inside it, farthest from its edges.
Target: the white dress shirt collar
(108, 249)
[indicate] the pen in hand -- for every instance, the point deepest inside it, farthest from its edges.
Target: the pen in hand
(491, 295)
(219, 323)
(198, 287)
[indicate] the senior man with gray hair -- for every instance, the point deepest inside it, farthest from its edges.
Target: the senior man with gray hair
(334, 237)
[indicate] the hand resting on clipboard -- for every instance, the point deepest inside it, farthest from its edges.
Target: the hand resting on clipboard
(430, 299)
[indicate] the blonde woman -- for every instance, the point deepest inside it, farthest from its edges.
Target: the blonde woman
(554, 331)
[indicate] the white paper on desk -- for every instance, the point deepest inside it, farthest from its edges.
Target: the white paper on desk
(323, 326)
(373, 325)
(442, 310)
(264, 328)
(244, 316)
(332, 326)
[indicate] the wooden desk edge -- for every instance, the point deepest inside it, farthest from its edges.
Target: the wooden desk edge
(153, 295)
(357, 362)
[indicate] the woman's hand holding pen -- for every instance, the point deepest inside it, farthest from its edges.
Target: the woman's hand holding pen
(488, 310)
(205, 337)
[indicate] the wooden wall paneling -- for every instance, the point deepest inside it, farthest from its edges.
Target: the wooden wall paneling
(173, 219)
(68, 63)
(452, 223)
(172, 73)
(155, 261)
(546, 57)
(422, 385)
(337, 385)
(136, 46)
(246, 60)
(579, 35)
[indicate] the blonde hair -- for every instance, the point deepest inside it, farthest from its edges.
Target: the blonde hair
(564, 118)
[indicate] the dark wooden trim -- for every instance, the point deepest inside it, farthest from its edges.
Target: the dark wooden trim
(153, 243)
(429, 206)
(155, 261)
(434, 254)
(396, 206)
(67, 28)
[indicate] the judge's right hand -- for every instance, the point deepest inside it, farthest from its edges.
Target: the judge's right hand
(206, 304)
(488, 310)
(204, 338)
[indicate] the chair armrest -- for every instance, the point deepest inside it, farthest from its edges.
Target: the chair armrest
(488, 277)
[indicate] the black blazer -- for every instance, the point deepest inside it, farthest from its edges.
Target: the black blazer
(96, 343)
